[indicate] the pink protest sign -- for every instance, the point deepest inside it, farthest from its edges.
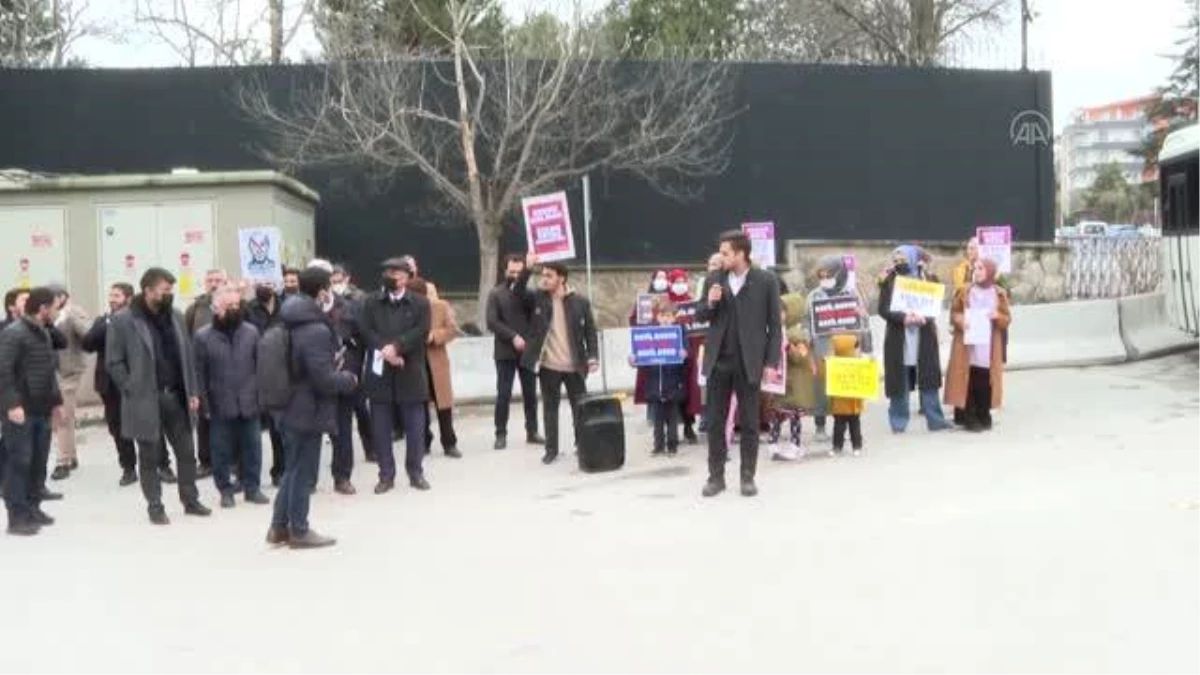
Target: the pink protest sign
(548, 227)
(762, 242)
(995, 242)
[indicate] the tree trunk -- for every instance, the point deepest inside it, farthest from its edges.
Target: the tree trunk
(276, 21)
(489, 262)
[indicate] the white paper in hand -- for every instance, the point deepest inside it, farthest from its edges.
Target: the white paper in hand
(377, 363)
(979, 328)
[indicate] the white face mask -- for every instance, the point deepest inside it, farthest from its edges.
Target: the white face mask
(679, 289)
(828, 284)
(659, 285)
(340, 289)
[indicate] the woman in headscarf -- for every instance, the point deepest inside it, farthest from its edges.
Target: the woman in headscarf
(910, 347)
(679, 292)
(658, 285)
(975, 376)
(964, 272)
(832, 278)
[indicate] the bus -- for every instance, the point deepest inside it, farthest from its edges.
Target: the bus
(1178, 183)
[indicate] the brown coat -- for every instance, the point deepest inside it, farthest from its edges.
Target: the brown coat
(443, 330)
(959, 369)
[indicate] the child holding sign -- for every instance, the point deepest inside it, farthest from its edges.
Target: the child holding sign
(799, 396)
(846, 411)
(666, 387)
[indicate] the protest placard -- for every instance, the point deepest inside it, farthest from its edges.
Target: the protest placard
(685, 314)
(836, 315)
(778, 383)
(656, 345)
(847, 377)
(995, 242)
(979, 328)
(644, 316)
(762, 242)
(851, 265)
(548, 227)
(913, 296)
(259, 249)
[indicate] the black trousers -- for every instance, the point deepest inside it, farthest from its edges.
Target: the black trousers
(506, 372)
(978, 412)
(842, 423)
(126, 450)
(445, 422)
(666, 424)
(277, 452)
(203, 447)
(552, 382)
(728, 378)
(177, 430)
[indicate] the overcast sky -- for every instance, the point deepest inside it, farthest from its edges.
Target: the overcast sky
(1098, 51)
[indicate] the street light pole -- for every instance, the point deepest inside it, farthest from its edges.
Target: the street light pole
(1026, 17)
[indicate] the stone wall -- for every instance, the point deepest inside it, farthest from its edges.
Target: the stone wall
(1038, 275)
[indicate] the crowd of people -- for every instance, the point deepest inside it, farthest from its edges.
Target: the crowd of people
(315, 356)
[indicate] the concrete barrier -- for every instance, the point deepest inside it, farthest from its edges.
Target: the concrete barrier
(1146, 328)
(1065, 334)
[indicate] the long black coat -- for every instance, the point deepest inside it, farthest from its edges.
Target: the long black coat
(758, 321)
(404, 324)
(929, 361)
(93, 343)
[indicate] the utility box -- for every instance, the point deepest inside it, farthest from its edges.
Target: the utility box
(90, 232)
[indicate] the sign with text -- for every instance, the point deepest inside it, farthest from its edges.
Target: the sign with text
(913, 296)
(644, 315)
(836, 315)
(995, 242)
(851, 264)
(548, 227)
(656, 345)
(260, 251)
(852, 378)
(978, 329)
(777, 384)
(685, 315)
(762, 242)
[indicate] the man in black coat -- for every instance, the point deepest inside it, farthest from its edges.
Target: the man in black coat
(562, 345)
(741, 302)
(29, 400)
(343, 312)
(311, 409)
(263, 312)
(508, 320)
(395, 327)
(119, 296)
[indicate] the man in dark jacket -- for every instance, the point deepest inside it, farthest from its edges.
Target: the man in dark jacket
(343, 314)
(395, 326)
(119, 297)
(149, 357)
(263, 312)
(508, 320)
(198, 315)
(741, 304)
(14, 307)
(311, 410)
(562, 345)
(29, 400)
(226, 361)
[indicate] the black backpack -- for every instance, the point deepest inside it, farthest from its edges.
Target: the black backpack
(273, 370)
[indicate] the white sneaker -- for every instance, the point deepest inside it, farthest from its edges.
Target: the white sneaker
(820, 436)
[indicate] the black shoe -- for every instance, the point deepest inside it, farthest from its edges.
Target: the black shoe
(227, 501)
(48, 496)
(384, 486)
(749, 489)
(549, 457)
(166, 475)
(453, 453)
(277, 534)
(501, 443)
(74, 464)
(158, 515)
(128, 477)
(40, 517)
(197, 509)
(672, 450)
(689, 435)
(60, 472)
(535, 439)
(203, 471)
(713, 488)
(418, 483)
(657, 451)
(23, 528)
(257, 497)
(276, 480)
(309, 539)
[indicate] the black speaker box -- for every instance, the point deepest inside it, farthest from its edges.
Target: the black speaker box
(601, 434)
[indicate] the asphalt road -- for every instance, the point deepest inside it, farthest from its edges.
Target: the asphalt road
(1065, 540)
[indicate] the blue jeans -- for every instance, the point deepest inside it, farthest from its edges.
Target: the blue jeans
(27, 449)
(931, 406)
(246, 436)
(302, 452)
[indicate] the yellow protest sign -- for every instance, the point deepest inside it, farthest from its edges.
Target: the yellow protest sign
(852, 378)
(913, 296)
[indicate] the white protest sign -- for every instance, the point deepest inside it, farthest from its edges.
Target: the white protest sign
(979, 328)
(260, 251)
(762, 242)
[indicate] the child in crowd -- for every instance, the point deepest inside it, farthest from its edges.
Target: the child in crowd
(800, 393)
(846, 411)
(666, 387)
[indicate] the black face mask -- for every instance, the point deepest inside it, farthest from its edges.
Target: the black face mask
(903, 268)
(263, 294)
(391, 284)
(164, 303)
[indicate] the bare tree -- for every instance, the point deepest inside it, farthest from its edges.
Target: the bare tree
(487, 127)
(916, 32)
(44, 33)
(224, 32)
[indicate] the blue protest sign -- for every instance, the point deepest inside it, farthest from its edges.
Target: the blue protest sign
(656, 345)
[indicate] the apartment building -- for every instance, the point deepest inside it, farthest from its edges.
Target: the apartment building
(1099, 135)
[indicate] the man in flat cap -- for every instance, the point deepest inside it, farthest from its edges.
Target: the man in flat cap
(395, 327)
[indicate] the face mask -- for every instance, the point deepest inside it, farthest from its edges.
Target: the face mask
(263, 294)
(340, 289)
(167, 300)
(659, 285)
(903, 268)
(679, 289)
(828, 284)
(391, 284)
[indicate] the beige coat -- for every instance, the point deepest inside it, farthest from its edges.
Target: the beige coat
(959, 370)
(73, 323)
(443, 331)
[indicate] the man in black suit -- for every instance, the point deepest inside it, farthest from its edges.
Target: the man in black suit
(743, 345)
(508, 320)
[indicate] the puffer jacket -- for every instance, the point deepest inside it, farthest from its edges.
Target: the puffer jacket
(27, 369)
